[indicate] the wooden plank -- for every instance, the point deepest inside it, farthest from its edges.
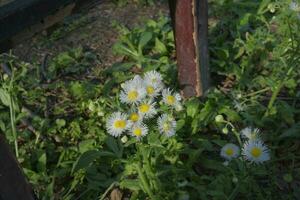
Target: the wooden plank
(203, 52)
(13, 185)
(8, 41)
(19, 14)
(38, 27)
(190, 25)
(4, 2)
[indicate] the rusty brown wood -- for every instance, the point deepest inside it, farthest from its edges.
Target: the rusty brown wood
(13, 185)
(190, 25)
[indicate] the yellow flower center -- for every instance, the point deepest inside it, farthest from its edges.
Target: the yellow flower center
(170, 100)
(229, 152)
(256, 152)
(134, 117)
(120, 124)
(150, 90)
(144, 108)
(137, 132)
(166, 126)
(132, 95)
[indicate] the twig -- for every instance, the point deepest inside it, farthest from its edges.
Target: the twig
(108, 189)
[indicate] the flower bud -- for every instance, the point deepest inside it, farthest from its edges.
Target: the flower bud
(225, 130)
(5, 76)
(178, 107)
(124, 139)
(219, 118)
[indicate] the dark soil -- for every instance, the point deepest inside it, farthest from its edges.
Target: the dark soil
(93, 29)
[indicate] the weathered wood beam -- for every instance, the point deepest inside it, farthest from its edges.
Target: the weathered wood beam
(190, 24)
(13, 185)
(20, 20)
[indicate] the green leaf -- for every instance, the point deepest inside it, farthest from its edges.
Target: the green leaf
(5, 97)
(180, 124)
(130, 184)
(230, 113)
(42, 161)
(263, 7)
(77, 89)
(160, 47)
(113, 145)
(2, 126)
(119, 67)
(192, 107)
(86, 145)
(88, 157)
(145, 38)
(120, 48)
(64, 59)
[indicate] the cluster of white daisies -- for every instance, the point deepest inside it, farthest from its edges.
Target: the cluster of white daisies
(142, 95)
(253, 150)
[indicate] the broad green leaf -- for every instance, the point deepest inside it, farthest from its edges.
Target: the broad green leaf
(5, 97)
(145, 38)
(131, 184)
(86, 145)
(88, 157)
(192, 107)
(230, 113)
(180, 124)
(160, 47)
(117, 67)
(113, 145)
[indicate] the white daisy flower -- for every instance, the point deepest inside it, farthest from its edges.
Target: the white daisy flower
(133, 91)
(135, 117)
(171, 99)
(166, 125)
(153, 78)
(255, 151)
(153, 83)
(152, 90)
(147, 109)
(139, 130)
(250, 133)
(230, 151)
(117, 123)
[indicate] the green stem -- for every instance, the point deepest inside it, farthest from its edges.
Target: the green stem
(273, 98)
(237, 135)
(257, 92)
(144, 182)
(107, 190)
(12, 112)
(152, 178)
(13, 126)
